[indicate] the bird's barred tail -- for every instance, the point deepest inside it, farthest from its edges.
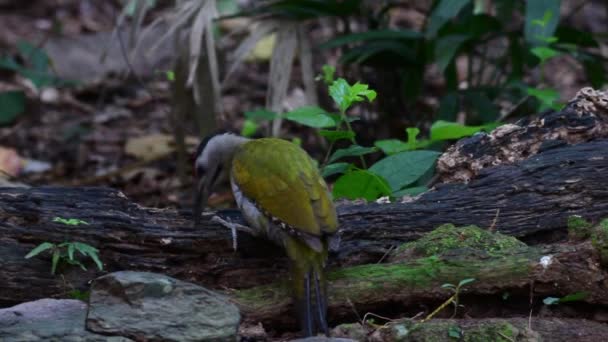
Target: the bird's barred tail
(309, 288)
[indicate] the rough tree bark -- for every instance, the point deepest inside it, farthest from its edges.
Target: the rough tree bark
(528, 198)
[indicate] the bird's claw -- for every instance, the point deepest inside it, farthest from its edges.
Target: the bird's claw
(233, 229)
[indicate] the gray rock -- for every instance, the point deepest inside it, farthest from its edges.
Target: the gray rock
(154, 307)
(48, 320)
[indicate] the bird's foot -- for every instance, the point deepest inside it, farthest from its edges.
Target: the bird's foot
(233, 228)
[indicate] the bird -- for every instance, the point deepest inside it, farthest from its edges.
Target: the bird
(283, 198)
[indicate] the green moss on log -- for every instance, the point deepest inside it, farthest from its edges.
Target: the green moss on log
(450, 254)
(578, 228)
(448, 237)
(599, 239)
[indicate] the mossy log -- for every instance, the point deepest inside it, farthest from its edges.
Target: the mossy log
(502, 330)
(415, 272)
(530, 200)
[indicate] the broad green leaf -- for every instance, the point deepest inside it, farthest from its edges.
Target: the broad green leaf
(444, 130)
(542, 17)
(249, 128)
(351, 151)
(544, 53)
(39, 249)
(332, 169)
(446, 49)
(261, 115)
(442, 13)
(337, 135)
(12, 103)
(455, 332)
(391, 146)
(404, 168)
(360, 184)
(311, 116)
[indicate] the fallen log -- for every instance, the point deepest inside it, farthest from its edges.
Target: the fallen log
(523, 200)
(508, 329)
(415, 272)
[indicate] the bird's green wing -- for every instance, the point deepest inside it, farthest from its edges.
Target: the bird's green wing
(282, 180)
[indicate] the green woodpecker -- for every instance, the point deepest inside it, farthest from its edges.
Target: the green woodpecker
(282, 196)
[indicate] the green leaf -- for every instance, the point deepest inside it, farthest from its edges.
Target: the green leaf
(71, 251)
(444, 130)
(55, 261)
(344, 95)
(551, 301)
(392, 146)
(412, 134)
(448, 286)
(328, 73)
(442, 13)
(12, 103)
(446, 49)
(69, 222)
(249, 128)
(335, 168)
(544, 53)
(351, 151)
(85, 249)
(39, 249)
(311, 116)
(465, 282)
(261, 115)
(337, 135)
(404, 168)
(340, 93)
(455, 332)
(574, 297)
(35, 56)
(360, 184)
(170, 74)
(358, 90)
(97, 261)
(542, 17)
(547, 97)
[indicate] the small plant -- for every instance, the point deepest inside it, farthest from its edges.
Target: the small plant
(64, 252)
(407, 164)
(452, 300)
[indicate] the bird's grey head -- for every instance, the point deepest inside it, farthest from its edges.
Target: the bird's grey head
(212, 165)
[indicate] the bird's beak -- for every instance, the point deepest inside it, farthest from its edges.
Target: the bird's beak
(200, 198)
